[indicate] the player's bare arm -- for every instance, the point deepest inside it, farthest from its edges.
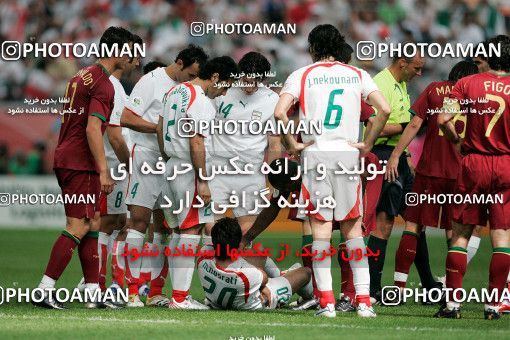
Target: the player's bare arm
(118, 143)
(136, 123)
(280, 113)
(197, 149)
(274, 148)
(264, 220)
(377, 100)
(95, 141)
(445, 120)
(161, 143)
(391, 130)
(409, 133)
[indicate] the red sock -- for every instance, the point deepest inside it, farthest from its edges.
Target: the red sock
(363, 299)
(102, 267)
(456, 264)
(145, 277)
(131, 281)
(404, 257)
(347, 283)
(307, 262)
(117, 271)
(498, 272)
(61, 254)
(326, 297)
(179, 295)
(159, 282)
(89, 258)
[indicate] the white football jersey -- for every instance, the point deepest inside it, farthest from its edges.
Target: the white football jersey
(184, 101)
(234, 287)
(146, 101)
(330, 92)
(119, 101)
(238, 106)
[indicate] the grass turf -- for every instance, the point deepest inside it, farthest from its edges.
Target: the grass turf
(24, 254)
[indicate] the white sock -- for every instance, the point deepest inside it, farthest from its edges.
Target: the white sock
(472, 247)
(157, 261)
(47, 282)
(147, 260)
(118, 251)
(134, 240)
(360, 271)
(271, 268)
(112, 238)
(184, 266)
(322, 269)
(174, 240)
(207, 242)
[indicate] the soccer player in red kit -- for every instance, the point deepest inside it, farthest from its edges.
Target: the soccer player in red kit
(81, 168)
(483, 171)
(436, 171)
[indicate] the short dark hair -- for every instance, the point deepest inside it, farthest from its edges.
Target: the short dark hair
(346, 51)
(115, 36)
(325, 41)
(485, 45)
(192, 54)
(408, 59)
(151, 66)
(254, 62)
(226, 233)
(462, 69)
(282, 180)
(501, 63)
(224, 66)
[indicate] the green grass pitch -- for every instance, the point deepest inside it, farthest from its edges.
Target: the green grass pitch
(24, 254)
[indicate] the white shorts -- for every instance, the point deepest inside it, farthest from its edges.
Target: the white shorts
(144, 190)
(281, 291)
(221, 187)
(115, 202)
(182, 190)
(346, 194)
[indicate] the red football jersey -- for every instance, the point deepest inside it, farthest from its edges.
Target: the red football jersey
(486, 98)
(366, 111)
(439, 157)
(90, 93)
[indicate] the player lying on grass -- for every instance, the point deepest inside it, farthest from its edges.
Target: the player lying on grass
(242, 284)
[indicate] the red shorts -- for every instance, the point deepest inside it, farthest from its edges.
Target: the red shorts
(79, 186)
(371, 193)
(430, 214)
(484, 175)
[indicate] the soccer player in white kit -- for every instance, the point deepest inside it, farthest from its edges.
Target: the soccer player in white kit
(331, 92)
(247, 101)
(240, 284)
(190, 101)
(141, 115)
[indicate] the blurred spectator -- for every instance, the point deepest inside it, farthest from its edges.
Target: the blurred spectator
(18, 164)
(4, 158)
(35, 159)
(391, 12)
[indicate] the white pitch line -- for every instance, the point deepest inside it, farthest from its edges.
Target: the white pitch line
(241, 323)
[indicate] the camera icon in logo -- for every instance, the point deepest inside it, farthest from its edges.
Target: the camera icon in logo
(5, 199)
(411, 199)
(390, 296)
(197, 29)
(187, 127)
(365, 50)
(11, 50)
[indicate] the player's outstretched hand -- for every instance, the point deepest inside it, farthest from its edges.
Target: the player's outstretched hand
(106, 182)
(295, 150)
(391, 169)
(204, 192)
(362, 147)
